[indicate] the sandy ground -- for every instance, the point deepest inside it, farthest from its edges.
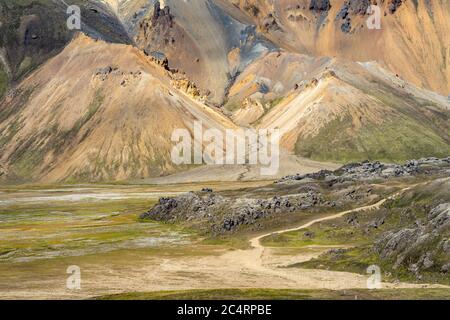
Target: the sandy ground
(289, 164)
(207, 267)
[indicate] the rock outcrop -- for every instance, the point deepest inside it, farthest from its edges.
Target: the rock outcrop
(320, 5)
(394, 5)
(376, 170)
(420, 247)
(226, 214)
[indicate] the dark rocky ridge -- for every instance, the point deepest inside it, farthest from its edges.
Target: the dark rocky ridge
(376, 170)
(394, 5)
(158, 29)
(206, 205)
(358, 6)
(222, 213)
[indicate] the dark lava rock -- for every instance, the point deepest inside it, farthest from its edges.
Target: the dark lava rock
(343, 12)
(309, 234)
(158, 57)
(316, 175)
(375, 224)
(224, 214)
(320, 5)
(104, 71)
(162, 16)
(358, 6)
(346, 27)
(352, 219)
(418, 247)
(355, 7)
(394, 5)
(375, 170)
(269, 23)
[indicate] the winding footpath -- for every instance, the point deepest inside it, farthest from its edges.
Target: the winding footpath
(256, 260)
(256, 242)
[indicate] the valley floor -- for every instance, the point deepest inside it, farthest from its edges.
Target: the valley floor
(117, 256)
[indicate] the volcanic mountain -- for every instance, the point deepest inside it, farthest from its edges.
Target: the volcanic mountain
(413, 40)
(97, 112)
(331, 109)
(102, 105)
(204, 40)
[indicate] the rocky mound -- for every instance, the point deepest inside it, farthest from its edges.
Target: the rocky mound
(424, 246)
(408, 236)
(376, 170)
(224, 214)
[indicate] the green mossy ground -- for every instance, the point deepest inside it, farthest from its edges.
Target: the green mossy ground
(285, 294)
(395, 140)
(38, 230)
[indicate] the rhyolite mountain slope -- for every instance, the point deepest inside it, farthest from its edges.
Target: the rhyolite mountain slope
(332, 109)
(111, 119)
(129, 12)
(202, 39)
(386, 116)
(413, 41)
(31, 32)
(197, 35)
